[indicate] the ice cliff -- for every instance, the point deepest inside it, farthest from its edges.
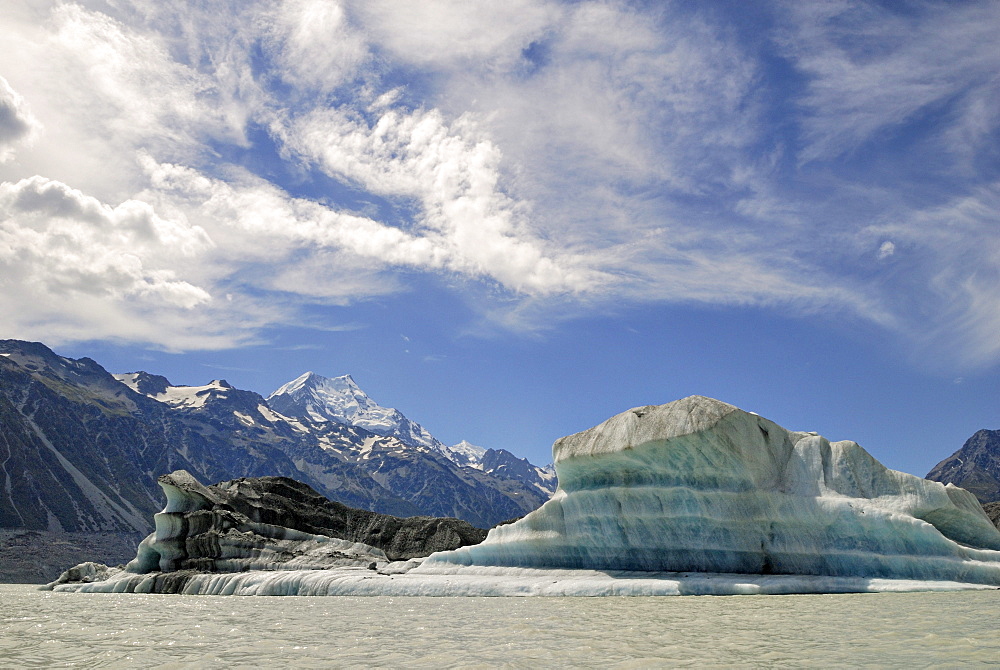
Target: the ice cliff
(700, 485)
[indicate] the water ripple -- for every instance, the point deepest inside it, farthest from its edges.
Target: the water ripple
(44, 629)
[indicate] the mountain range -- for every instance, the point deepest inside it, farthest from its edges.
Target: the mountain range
(80, 451)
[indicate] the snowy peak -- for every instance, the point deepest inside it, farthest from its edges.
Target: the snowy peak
(468, 454)
(332, 387)
(341, 400)
(144, 383)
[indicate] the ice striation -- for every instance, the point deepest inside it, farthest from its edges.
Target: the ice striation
(692, 497)
(698, 485)
(272, 524)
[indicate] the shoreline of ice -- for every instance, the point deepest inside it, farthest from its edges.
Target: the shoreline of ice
(511, 582)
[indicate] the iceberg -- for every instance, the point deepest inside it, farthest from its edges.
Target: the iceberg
(698, 485)
(691, 497)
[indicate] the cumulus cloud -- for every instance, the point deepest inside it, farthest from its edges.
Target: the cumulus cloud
(64, 243)
(75, 267)
(17, 124)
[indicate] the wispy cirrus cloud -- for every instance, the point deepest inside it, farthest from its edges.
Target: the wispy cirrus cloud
(874, 69)
(570, 157)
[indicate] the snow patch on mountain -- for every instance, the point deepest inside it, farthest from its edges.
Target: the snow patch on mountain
(176, 396)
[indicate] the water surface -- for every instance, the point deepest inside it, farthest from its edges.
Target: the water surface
(45, 629)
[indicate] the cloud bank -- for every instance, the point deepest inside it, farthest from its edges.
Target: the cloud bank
(185, 175)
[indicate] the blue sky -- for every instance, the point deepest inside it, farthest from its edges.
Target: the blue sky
(513, 220)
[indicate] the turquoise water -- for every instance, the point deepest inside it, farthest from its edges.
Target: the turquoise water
(45, 629)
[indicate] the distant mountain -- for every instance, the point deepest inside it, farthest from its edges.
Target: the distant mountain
(339, 399)
(400, 477)
(81, 450)
(466, 453)
(975, 467)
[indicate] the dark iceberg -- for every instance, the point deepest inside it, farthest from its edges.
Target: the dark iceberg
(269, 524)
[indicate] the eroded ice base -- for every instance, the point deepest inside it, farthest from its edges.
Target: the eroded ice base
(480, 581)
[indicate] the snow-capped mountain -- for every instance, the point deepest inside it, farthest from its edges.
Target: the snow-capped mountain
(502, 464)
(341, 400)
(468, 454)
(84, 449)
(159, 388)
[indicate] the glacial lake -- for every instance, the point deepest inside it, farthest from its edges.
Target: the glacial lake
(45, 629)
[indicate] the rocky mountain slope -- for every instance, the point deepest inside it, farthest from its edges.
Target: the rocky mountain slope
(975, 467)
(80, 451)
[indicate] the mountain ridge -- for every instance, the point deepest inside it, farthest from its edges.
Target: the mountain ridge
(81, 449)
(975, 466)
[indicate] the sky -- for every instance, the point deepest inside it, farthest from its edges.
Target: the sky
(514, 220)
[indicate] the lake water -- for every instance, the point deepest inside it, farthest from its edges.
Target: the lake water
(45, 629)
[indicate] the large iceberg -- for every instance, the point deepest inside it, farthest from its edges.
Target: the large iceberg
(695, 496)
(699, 485)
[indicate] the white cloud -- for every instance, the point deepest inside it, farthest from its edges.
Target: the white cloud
(466, 222)
(74, 267)
(64, 243)
(872, 69)
(454, 33)
(948, 297)
(555, 159)
(102, 90)
(17, 123)
(313, 44)
(252, 220)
